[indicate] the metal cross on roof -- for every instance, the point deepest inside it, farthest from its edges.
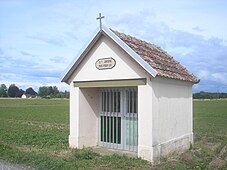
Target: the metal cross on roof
(100, 20)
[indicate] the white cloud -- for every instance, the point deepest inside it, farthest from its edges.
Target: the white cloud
(198, 29)
(204, 74)
(1, 52)
(48, 39)
(27, 54)
(57, 59)
(220, 77)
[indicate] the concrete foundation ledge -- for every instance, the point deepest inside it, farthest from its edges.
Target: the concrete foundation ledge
(145, 153)
(82, 141)
(73, 141)
(178, 145)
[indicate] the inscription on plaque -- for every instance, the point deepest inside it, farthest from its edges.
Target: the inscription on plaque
(105, 63)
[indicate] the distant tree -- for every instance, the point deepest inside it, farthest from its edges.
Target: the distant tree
(19, 93)
(30, 91)
(43, 91)
(55, 90)
(13, 90)
(3, 90)
(66, 94)
(51, 90)
(207, 95)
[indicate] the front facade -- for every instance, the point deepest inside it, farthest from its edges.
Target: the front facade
(119, 100)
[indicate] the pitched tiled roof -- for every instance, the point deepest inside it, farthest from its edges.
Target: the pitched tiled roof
(158, 59)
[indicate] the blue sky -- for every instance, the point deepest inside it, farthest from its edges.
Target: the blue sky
(39, 39)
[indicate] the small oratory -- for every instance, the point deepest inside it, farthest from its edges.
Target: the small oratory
(128, 94)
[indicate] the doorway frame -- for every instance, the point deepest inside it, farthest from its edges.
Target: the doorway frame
(124, 115)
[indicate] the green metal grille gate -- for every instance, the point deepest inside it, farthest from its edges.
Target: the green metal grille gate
(118, 125)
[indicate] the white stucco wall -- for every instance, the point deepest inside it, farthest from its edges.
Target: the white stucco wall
(74, 116)
(164, 118)
(83, 117)
(145, 147)
(172, 116)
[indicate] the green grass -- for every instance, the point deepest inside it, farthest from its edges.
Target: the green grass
(35, 133)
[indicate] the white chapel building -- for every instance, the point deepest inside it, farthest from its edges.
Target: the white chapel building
(130, 95)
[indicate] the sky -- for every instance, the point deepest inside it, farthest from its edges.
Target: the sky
(39, 39)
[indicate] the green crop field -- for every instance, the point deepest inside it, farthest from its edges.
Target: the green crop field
(35, 133)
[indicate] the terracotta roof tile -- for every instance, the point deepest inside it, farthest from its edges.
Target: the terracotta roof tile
(158, 59)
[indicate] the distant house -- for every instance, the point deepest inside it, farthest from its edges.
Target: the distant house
(24, 96)
(28, 96)
(128, 94)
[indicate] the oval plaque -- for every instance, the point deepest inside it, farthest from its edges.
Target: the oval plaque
(105, 63)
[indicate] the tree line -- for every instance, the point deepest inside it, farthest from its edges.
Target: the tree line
(43, 92)
(53, 92)
(207, 95)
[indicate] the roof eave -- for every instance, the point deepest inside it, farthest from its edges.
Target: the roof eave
(84, 50)
(197, 81)
(130, 52)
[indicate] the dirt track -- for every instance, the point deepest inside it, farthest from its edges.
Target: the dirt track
(8, 166)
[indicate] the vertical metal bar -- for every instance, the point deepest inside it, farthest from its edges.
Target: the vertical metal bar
(113, 126)
(106, 115)
(109, 99)
(117, 117)
(133, 112)
(102, 117)
(122, 119)
(123, 112)
(127, 112)
(129, 117)
(136, 110)
(136, 119)
(113, 117)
